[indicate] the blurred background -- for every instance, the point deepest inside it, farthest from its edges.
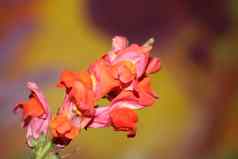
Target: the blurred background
(196, 116)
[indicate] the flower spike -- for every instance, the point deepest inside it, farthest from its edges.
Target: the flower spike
(121, 76)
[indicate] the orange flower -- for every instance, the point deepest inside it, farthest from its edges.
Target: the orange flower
(68, 122)
(83, 98)
(103, 78)
(67, 79)
(63, 130)
(124, 119)
(79, 87)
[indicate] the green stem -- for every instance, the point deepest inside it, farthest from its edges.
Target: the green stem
(44, 151)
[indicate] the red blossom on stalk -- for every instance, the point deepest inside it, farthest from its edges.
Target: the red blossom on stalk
(121, 76)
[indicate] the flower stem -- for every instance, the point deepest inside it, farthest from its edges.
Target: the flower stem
(44, 151)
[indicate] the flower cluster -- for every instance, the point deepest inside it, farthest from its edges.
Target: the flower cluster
(121, 76)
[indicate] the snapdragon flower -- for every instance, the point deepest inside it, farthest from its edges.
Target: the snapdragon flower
(121, 76)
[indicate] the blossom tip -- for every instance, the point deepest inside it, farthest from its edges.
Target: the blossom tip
(149, 43)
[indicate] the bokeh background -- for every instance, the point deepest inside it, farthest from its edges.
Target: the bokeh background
(196, 116)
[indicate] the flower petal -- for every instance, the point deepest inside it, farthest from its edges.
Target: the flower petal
(63, 130)
(62, 126)
(84, 98)
(136, 55)
(102, 118)
(126, 99)
(146, 95)
(125, 71)
(153, 66)
(103, 77)
(39, 95)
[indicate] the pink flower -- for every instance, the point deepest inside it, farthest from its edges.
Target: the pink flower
(35, 114)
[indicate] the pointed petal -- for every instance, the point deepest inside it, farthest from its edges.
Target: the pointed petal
(153, 66)
(147, 96)
(39, 95)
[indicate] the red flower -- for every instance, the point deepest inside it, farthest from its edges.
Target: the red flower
(63, 130)
(78, 86)
(67, 79)
(124, 119)
(120, 76)
(68, 122)
(84, 98)
(103, 80)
